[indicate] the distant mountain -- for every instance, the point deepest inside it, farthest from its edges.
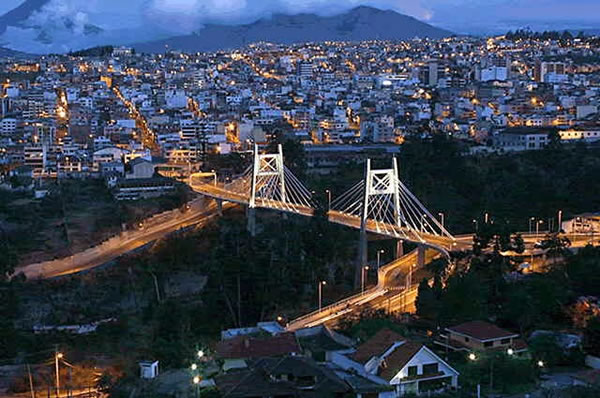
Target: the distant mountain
(360, 23)
(20, 14)
(34, 21)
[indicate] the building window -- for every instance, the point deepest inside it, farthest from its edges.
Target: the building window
(430, 369)
(488, 344)
(412, 371)
(467, 339)
(505, 341)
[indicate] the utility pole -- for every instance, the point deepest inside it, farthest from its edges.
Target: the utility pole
(30, 381)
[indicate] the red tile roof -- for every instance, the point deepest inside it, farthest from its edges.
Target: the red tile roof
(376, 345)
(481, 330)
(398, 358)
(246, 347)
(395, 360)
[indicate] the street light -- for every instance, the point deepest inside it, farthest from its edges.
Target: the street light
(476, 225)
(362, 278)
(559, 227)
(540, 363)
(537, 227)
(442, 218)
(486, 217)
(328, 192)
(321, 284)
(194, 366)
(531, 219)
(57, 356)
(196, 381)
(200, 354)
(472, 356)
(379, 253)
(510, 351)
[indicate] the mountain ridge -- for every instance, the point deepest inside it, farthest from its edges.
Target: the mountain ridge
(358, 24)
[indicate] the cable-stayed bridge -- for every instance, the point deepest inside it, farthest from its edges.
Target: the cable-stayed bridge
(379, 204)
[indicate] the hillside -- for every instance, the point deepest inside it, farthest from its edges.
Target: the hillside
(360, 23)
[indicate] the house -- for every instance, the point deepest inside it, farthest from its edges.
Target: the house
(140, 188)
(320, 342)
(140, 168)
(391, 360)
(290, 376)
(480, 336)
(236, 352)
(521, 139)
(148, 369)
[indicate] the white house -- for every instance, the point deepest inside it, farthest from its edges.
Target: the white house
(389, 359)
(148, 369)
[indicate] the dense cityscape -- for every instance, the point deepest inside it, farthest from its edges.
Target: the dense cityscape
(376, 218)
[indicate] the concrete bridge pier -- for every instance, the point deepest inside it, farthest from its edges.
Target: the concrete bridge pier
(251, 214)
(219, 207)
(362, 259)
(421, 255)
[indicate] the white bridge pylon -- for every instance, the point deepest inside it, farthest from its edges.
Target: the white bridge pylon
(274, 186)
(387, 207)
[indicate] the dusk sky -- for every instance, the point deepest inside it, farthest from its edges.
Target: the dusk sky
(447, 13)
(145, 20)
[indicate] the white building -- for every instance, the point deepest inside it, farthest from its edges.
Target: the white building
(8, 126)
(391, 360)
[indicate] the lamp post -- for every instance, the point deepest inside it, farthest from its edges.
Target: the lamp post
(559, 226)
(57, 356)
(537, 227)
(476, 225)
(531, 220)
(196, 381)
(442, 219)
(379, 253)
(486, 217)
(328, 192)
(362, 278)
(321, 284)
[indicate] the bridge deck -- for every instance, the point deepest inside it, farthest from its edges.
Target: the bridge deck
(441, 243)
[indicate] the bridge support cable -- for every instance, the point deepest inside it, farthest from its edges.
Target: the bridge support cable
(384, 205)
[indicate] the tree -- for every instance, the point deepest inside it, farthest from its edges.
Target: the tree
(427, 304)
(592, 336)
(555, 245)
(554, 141)
(518, 243)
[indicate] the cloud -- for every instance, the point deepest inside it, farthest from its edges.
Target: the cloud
(189, 15)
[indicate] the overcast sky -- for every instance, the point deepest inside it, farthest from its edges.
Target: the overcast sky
(191, 13)
(126, 21)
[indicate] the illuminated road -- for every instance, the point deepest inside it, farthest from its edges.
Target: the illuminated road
(198, 214)
(440, 243)
(390, 294)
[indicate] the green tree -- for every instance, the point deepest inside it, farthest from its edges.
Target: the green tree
(555, 245)
(427, 304)
(592, 336)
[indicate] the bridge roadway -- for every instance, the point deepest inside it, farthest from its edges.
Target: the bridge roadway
(199, 213)
(389, 294)
(442, 243)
